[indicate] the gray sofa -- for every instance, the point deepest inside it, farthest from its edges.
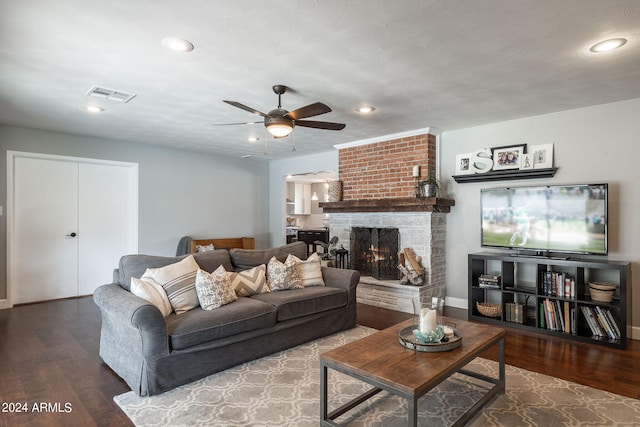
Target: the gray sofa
(154, 354)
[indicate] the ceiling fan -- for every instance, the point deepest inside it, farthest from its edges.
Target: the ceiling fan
(280, 122)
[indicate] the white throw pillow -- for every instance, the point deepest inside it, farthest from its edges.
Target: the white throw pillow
(205, 248)
(250, 282)
(178, 281)
(310, 270)
(153, 293)
(283, 276)
(214, 289)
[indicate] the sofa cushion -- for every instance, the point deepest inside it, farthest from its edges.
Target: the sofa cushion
(135, 265)
(283, 275)
(301, 302)
(179, 281)
(244, 259)
(153, 293)
(214, 289)
(200, 326)
(250, 282)
(309, 270)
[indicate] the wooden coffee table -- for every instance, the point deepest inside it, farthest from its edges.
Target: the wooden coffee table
(380, 360)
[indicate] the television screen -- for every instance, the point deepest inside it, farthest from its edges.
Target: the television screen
(557, 218)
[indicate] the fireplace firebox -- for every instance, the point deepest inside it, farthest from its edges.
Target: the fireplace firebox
(374, 251)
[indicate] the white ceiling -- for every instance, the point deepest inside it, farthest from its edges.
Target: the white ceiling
(448, 64)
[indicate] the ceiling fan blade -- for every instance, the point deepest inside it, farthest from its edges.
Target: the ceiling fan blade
(308, 111)
(234, 124)
(244, 107)
(320, 125)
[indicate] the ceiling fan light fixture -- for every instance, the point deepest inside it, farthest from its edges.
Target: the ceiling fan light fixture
(608, 45)
(277, 125)
(279, 130)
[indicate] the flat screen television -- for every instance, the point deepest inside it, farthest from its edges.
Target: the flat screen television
(546, 219)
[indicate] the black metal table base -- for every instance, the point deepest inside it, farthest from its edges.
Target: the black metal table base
(327, 418)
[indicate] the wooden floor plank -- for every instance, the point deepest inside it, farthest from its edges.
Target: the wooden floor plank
(49, 354)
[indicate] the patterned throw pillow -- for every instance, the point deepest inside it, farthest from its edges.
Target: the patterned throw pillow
(205, 248)
(283, 276)
(310, 270)
(214, 289)
(153, 293)
(178, 281)
(250, 282)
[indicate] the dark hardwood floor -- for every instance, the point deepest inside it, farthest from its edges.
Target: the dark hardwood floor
(49, 356)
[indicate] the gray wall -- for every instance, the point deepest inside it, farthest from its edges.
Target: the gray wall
(180, 192)
(591, 145)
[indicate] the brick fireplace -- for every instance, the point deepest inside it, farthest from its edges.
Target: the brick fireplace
(379, 193)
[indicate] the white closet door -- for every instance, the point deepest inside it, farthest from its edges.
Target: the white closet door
(45, 255)
(107, 221)
(71, 220)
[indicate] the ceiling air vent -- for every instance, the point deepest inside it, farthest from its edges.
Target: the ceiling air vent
(110, 94)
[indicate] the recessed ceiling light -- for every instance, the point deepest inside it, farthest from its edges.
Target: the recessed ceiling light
(177, 44)
(608, 45)
(93, 108)
(365, 109)
(253, 139)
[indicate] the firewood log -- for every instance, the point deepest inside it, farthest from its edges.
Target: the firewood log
(411, 258)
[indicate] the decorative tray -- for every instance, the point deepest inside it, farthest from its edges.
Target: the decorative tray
(409, 340)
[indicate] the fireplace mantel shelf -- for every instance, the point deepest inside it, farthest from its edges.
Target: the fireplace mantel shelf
(405, 204)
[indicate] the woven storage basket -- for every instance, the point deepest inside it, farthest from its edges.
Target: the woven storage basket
(601, 292)
(489, 310)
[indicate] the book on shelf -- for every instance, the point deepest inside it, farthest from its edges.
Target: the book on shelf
(608, 323)
(592, 321)
(613, 322)
(557, 284)
(490, 281)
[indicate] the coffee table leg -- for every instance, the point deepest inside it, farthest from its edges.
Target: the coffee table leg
(501, 370)
(413, 412)
(323, 393)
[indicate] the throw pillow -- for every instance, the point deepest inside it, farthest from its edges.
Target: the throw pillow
(214, 289)
(310, 270)
(178, 281)
(250, 282)
(205, 248)
(153, 293)
(283, 276)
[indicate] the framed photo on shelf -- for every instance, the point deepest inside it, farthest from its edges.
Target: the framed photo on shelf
(542, 156)
(526, 162)
(463, 164)
(507, 157)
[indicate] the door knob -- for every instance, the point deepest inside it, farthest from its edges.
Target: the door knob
(72, 235)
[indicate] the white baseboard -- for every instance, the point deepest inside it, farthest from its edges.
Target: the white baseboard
(4, 303)
(635, 333)
(456, 302)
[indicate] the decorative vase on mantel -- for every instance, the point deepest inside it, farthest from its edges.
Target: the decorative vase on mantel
(335, 191)
(429, 190)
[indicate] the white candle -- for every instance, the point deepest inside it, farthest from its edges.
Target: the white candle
(416, 171)
(427, 320)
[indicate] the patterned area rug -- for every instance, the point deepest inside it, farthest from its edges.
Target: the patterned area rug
(283, 390)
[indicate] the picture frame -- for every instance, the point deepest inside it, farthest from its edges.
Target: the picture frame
(463, 164)
(526, 162)
(542, 156)
(507, 157)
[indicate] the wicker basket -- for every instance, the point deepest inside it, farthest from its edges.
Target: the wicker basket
(489, 310)
(601, 292)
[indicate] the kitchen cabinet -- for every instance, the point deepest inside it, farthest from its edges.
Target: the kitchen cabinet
(302, 199)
